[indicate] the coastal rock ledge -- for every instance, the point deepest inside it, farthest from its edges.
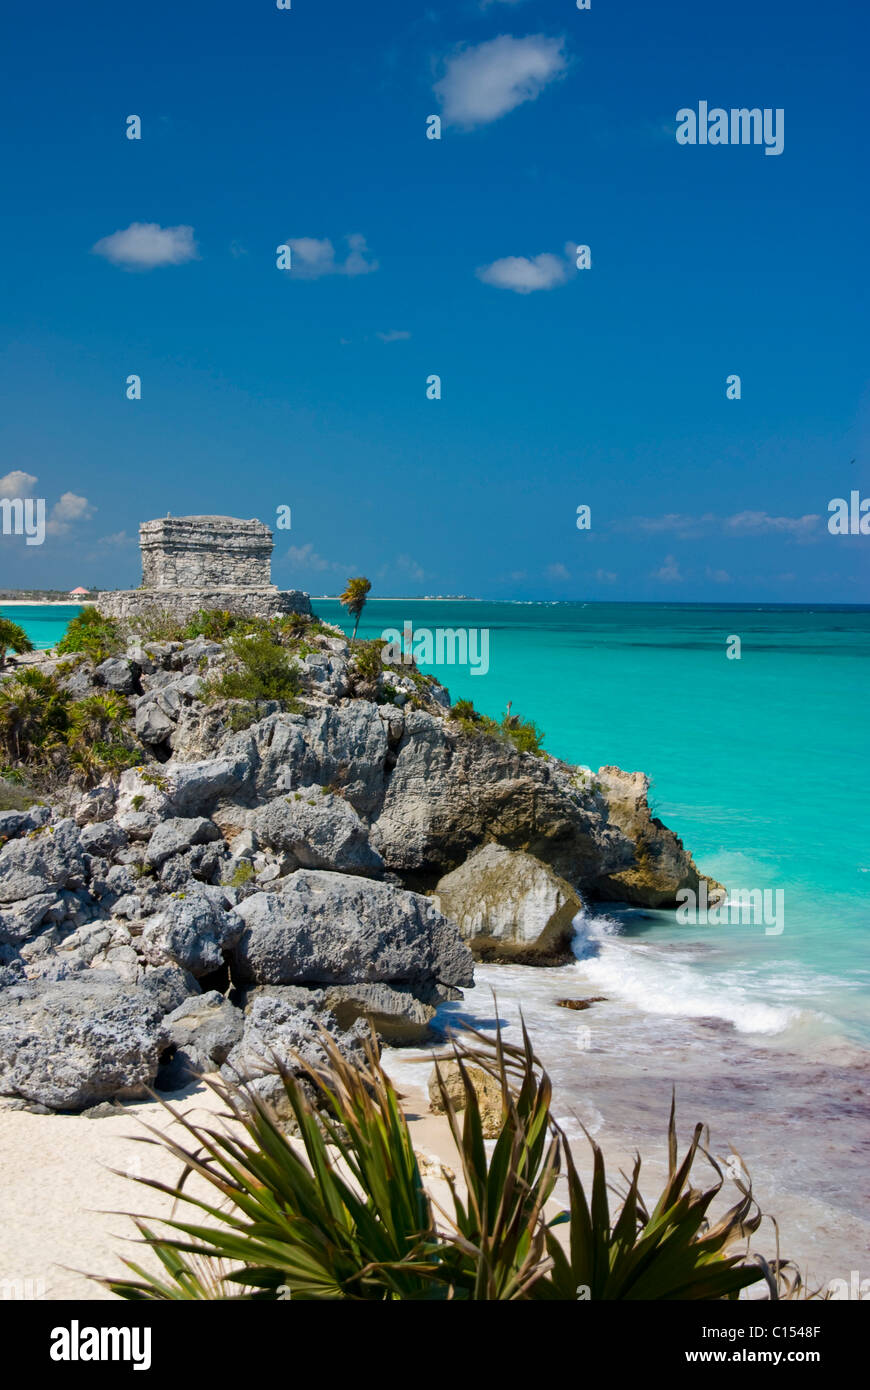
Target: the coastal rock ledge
(271, 869)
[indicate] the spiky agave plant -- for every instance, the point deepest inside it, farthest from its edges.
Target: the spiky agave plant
(341, 1212)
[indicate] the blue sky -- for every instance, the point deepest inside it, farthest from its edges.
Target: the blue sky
(307, 387)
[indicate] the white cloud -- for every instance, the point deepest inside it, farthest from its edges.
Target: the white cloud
(396, 335)
(145, 245)
(606, 576)
(669, 572)
(410, 567)
(313, 258)
(117, 539)
(485, 82)
(17, 484)
(69, 509)
(305, 557)
(524, 275)
(558, 571)
(747, 523)
(718, 576)
(761, 523)
(672, 521)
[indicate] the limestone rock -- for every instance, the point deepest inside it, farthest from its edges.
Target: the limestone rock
(49, 857)
(397, 1016)
(344, 746)
(203, 1030)
(192, 931)
(153, 726)
(510, 906)
(194, 788)
(486, 1088)
(96, 804)
(15, 823)
(319, 831)
(178, 834)
(283, 1028)
(327, 928)
(71, 1043)
(118, 674)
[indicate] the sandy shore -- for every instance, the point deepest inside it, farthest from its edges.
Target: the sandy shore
(60, 1201)
(62, 1205)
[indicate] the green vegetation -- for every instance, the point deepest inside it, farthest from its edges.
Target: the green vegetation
(341, 1211)
(354, 600)
(524, 735)
(91, 635)
(15, 795)
(262, 670)
(242, 715)
(12, 638)
(242, 874)
(367, 660)
(215, 624)
(44, 732)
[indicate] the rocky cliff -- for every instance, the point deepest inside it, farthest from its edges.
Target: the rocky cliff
(243, 887)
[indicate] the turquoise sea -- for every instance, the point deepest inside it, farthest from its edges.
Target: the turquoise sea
(761, 765)
(44, 623)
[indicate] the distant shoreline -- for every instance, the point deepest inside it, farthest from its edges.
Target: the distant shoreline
(388, 598)
(43, 602)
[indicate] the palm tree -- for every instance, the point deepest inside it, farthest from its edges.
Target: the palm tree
(12, 637)
(354, 600)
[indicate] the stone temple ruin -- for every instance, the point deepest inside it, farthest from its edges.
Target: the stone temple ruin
(193, 562)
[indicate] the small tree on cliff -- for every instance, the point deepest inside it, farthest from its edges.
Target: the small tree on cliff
(14, 638)
(354, 600)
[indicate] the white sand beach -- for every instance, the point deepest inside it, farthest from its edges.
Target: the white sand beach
(61, 1217)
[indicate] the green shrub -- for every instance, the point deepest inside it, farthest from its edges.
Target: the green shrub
(524, 735)
(463, 709)
(262, 670)
(34, 718)
(159, 625)
(216, 624)
(367, 660)
(92, 635)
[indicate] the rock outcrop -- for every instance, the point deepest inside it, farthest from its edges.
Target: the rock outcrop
(510, 907)
(69, 1044)
(260, 878)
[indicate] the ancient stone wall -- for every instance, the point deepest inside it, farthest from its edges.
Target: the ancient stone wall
(180, 552)
(182, 604)
(194, 562)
